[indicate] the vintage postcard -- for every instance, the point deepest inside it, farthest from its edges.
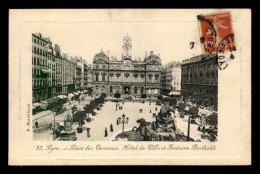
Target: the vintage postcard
(130, 87)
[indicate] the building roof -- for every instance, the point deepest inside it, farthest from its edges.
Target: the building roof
(101, 55)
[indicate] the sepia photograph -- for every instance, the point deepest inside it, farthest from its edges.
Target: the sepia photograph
(159, 81)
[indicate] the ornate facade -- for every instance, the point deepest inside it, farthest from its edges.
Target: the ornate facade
(126, 76)
(199, 79)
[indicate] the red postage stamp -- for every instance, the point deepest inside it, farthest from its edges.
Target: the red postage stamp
(216, 32)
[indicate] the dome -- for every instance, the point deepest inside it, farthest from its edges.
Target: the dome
(152, 57)
(101, 55)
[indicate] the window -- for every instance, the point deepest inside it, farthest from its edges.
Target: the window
(35, 50)
(111, 89)
(104, 67)
(96, 77)
(38, 72)
(103, 77)
(135, 90)
(142, 90)
(97, 66)
(38, 51)
(34, 71)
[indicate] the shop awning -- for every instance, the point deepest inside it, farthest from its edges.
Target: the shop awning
(62, 96)
(45, 71)
(45, 102)
(70, 95)
(175, 93)
(36, 104)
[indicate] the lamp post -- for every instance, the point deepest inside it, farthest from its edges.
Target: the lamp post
(124, 121)
(188, 134)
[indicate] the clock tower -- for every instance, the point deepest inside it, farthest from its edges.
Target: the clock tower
(127, 47)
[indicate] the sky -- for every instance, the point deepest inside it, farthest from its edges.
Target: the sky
(85, 39)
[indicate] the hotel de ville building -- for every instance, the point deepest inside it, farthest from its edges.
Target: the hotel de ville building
(127, 76)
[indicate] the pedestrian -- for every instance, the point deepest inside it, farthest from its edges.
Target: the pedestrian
(36, 124)
(117, 121)
(156, 109)
(50, 125)
(111, 128)
(116, 108)
(105, 132)
(88, 132)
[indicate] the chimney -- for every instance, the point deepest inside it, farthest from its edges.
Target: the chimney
(151, 52)
(146, 54)
(108, 53)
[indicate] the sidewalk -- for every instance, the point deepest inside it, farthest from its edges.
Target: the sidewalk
(182, 124)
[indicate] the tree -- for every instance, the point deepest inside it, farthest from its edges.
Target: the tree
(181, 107)
(143, 96)
(88, 109)
(173, 102)
(212, 119)
(81, 115)
(104, 95)
(166, 100)
(117, 95)
(160, 97)
(193, 111)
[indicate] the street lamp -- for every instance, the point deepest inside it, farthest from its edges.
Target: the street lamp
(124, 121)
(188, 134)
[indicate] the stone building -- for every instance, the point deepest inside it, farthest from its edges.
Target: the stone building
(78, 77)
(40, 71)
(171, 78)
(89, 77)
(126, 76)
(199, 79)
(52, 72)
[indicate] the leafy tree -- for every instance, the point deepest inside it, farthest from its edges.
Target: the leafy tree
(88, 109)
(173, 102)
(167, 100)
(212, 119)
(117, 95)
(181, 107)
(143, 96)
(80, 116)
(160, 97)
(193, 111)
(103, 95)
